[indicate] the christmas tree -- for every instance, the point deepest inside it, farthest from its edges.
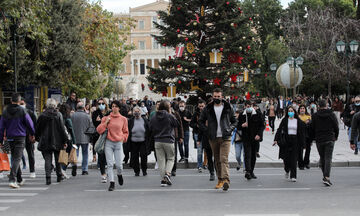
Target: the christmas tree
(215, 43)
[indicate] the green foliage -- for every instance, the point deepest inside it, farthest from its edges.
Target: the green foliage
(226, 28)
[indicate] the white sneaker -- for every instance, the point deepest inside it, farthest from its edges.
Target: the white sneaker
(22, 182)
(32, 175)
(103, 179)
(65, 175)
(14, 185)
(286, 175)
(200, 170)
(293, 179)
(156, 166)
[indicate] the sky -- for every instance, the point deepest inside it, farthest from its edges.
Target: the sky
(122, 6)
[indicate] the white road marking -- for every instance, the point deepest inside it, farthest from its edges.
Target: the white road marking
(4, 208)
(18, 194)
(32, 183)
(203, 190)
(24, 188)
(262, 215)
(12, 201)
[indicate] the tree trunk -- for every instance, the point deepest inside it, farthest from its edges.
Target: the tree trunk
(358, 10)
(329, 85)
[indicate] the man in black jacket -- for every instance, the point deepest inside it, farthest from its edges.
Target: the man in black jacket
(324, 129)
(252, 126)
(221, 121)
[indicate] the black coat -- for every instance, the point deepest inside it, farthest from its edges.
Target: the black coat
(228, 121)
(147, 132)
(255, 127)
(301, 137)
(324, 126)
(50, 131)
(194, 124)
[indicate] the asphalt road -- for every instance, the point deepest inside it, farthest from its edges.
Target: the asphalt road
(191, 194)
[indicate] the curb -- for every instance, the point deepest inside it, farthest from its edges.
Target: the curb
(193, 165)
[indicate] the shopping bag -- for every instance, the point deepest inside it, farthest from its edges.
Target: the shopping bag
(5, 147)
(73, 156)
(100, 143)
(4, 162)
(63, 157)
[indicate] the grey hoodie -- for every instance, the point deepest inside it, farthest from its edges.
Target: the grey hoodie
(162, 126)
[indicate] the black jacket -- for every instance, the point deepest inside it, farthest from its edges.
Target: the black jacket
(50, 131)
(324, 126)
(194, 124)
(162, 127)
(355, 126)
(283, 128)
(255, 127)
(228, 121)
(147, 130)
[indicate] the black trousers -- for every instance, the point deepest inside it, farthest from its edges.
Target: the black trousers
(250, 149)
(17, 145)
(47, 155)
(102, 163)
(30, 152)
(209, 156)
(138, 149)
(272, 123)
(175, 161)
(291, 156)
(304, 160)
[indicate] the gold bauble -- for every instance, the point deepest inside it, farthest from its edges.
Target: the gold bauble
(194, 23)
(186, 70)
(203, 54)
(240, 48)
(224, 38)
(244, 37)
(232, 24)
(216, 14)
(228, 73)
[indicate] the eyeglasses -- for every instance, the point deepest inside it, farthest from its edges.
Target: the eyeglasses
(101, 103)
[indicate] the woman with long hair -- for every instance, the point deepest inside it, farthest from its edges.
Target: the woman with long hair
(290, 137)
(304, 161)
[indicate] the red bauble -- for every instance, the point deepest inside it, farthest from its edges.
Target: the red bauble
(178, 66)
(153, 72)
(177, 73)
(150, 88)
(235, 25)
(221, 49)
(248, 47)
(255, 61)
(169, 58)
(227, 3)
(223, 67)
(250, 18)
(194, 54)
(186, 39)
(258, 94)
(266, 75)
(193, 71)
(178, 8)
(239, 9)
(179, 81)
(231, 98)
(178, 30)
(164, 44)
(236, 97)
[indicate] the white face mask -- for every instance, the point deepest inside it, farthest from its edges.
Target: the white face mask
(181, 108)
(23, 106)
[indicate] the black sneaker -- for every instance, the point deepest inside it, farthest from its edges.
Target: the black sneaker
(307, 166)
(253, 176)
(327, 182)
(163, 183)
(356, 151)
(247, 175)
(181, 160)
(85, 173)
(73, 170)
(120, 179)
(173, 173)
(301, 168)
(238, 168)
(112, 186)
(212, 177)
(226, 185)
(137, 174)
(168, 180)
(144, 173)
(257, 154)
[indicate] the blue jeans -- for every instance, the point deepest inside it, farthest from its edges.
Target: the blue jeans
(113, 150)
(185, 146)
(199, 151)
(355, 140)
(85, 155)
(238, 148)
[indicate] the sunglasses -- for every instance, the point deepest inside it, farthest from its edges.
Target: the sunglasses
(101, 103)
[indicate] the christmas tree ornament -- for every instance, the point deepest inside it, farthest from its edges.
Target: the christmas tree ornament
(232, 86)
(243, 37)
(250, 18)
(178, 8)
(227, 3)
(178, 66)
(232, 24)
(186, 39)
(216, 14)
(193, 71)
(177, 73)
(190, 47)
(195, 21)
(239, 9)
(164, 44)
(179, 51)
(193, 54)
(228, 73)
(150, 88)
(203, 54)
(169, 58)
(218, 71)
(259, 66)
(240, 48)
(255, 61)
(202, 13)
(233, 77)
(178, 30)
(186, 70)
(178, 36)
(153, 72)
(248, 47)
(179, 81)
(217, 81)
(202, 36)
(221, 49)
(234, 58)
(215, 57)
(224, 38)
(249, 66)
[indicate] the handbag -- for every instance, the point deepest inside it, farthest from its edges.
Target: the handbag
(282, 141)
(100, 143)
(73, 156)
(4, 162)
(63, 157)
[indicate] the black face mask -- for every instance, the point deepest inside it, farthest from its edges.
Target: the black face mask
(217, 101)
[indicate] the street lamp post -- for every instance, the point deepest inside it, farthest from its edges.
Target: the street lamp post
(294, 63)
(347, 50)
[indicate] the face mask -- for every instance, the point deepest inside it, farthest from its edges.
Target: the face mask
(102, 107)
(217, 101)
(136, 114)
(357, 104)
(249, 110)
(181, 108)
(291, 114)
(302, 112)
(23, 106)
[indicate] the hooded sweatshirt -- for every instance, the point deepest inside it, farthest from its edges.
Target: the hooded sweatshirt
(324, 126)
(162, 126)
(15, 120)
(117, 128)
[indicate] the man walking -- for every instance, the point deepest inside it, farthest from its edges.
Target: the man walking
(185, 119)
(14, 122)
(221, 121)
(324, 129)
(81, 124)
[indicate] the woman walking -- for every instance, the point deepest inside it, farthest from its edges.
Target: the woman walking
(117, 126)
(290, 137)
(139, 134)
(271, 113)
(304, 161)
(51, 135)
(101, 111)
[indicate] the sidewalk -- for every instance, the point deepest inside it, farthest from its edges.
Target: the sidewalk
(343, 156)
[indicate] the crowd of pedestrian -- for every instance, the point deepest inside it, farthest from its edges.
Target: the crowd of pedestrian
(132, 129)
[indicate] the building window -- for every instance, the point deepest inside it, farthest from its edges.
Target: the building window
(141, 24)
(154, 19)
(155, 44)
(141, 45)
(142, 69)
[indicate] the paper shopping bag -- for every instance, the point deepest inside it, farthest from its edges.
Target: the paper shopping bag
(63, 157)
(4, 162)
(72, 156)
